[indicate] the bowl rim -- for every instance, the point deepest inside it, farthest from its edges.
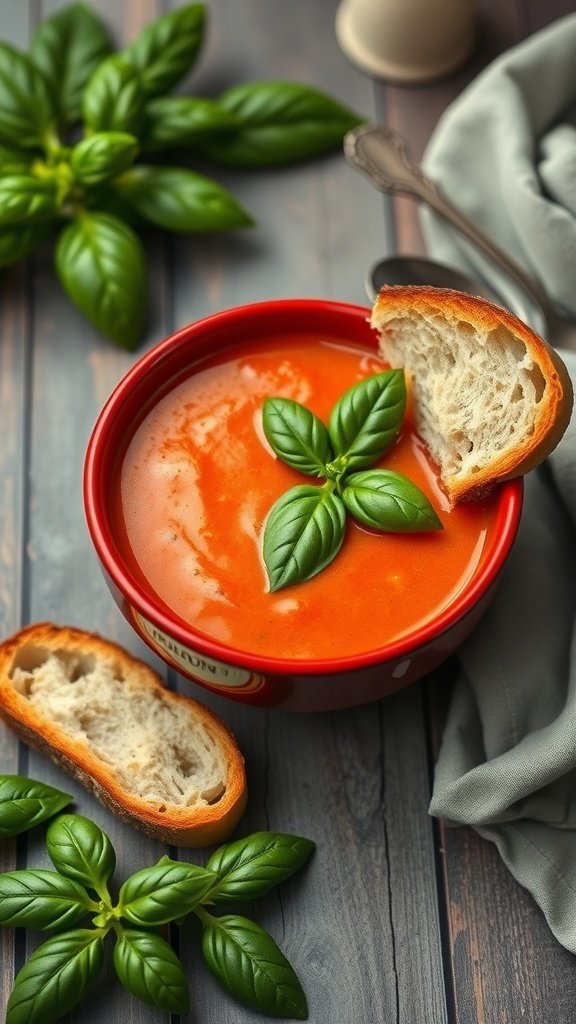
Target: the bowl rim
(143, 602)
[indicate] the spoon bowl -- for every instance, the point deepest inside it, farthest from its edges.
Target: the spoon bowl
(408, 270)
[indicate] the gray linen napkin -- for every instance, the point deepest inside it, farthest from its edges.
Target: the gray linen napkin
(506, 152)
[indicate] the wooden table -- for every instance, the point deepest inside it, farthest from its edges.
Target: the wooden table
(396, 919)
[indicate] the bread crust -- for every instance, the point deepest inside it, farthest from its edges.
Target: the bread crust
(554, 410)
(187, 827)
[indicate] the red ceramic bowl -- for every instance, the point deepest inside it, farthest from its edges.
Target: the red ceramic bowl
(309, 685)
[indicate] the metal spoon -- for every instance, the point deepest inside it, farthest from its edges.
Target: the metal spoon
(382, 156)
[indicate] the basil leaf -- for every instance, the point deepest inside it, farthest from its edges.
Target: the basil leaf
(14, 162)
(25, 803)
(16, 242)
(41, 899)
(27, 105)
(389, 501)
(167, 48)
(113, 100)
(150, 970)
(180, 200)
(164, 892)
(281, 123)
(250, 867)
(303, 533)
(297, 436)
(56, 977)
(67, 48)
(103, 155)
(79, 849)
(248, 964)
(368, 417)
(100, 262)
(179, 120)
(26, 199)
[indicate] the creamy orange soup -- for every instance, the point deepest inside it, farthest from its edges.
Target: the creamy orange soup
(199, 479)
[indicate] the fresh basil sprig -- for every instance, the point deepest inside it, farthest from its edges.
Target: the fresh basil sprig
(241, 955)
(305, 527)
(77, 119)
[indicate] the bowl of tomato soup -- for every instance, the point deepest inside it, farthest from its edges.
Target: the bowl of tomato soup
(179, 479)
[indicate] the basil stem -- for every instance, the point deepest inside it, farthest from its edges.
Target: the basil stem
(25, 803)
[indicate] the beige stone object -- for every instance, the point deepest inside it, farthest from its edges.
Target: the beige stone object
(406, 40)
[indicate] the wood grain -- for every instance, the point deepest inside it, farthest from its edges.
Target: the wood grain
(393, 919)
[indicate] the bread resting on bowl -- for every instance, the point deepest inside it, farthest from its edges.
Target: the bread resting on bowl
(491, 398)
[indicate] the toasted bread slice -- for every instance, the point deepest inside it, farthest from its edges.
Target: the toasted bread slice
(491, 398)
(160, 760)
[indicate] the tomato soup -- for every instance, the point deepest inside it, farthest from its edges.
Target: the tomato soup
(199, 478)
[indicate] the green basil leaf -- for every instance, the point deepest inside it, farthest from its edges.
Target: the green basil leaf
(388, 501)
(100, 262)
(56, 977)
(41, 899)
(297, 436)
(281, 123)
(79, 849)
(167, 48)
(14, 161)
(103, 155)
(150, 970)
(165, 892)
(250, 867)
(27, 105)
(16, 242)
(67, 48)
(303, 533)
(248, 964)
(113, 100)
(171, 121)
(180, 200)
(26, 199)
(25, 803)
(368, 417)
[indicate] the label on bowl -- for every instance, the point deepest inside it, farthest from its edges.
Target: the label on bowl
(205, 669)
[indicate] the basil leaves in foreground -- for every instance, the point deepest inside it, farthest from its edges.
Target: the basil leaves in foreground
(305, 528)
(78, 122)
(74, 901)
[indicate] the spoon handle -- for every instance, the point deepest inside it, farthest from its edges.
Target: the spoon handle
(382, 155)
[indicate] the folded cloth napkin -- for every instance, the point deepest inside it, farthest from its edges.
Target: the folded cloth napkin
(505, 153)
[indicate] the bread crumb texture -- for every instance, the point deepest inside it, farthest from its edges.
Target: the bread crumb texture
(473, 400)
(156, 748)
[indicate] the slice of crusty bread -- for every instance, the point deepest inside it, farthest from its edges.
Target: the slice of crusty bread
(491, 398)
(160, 760)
